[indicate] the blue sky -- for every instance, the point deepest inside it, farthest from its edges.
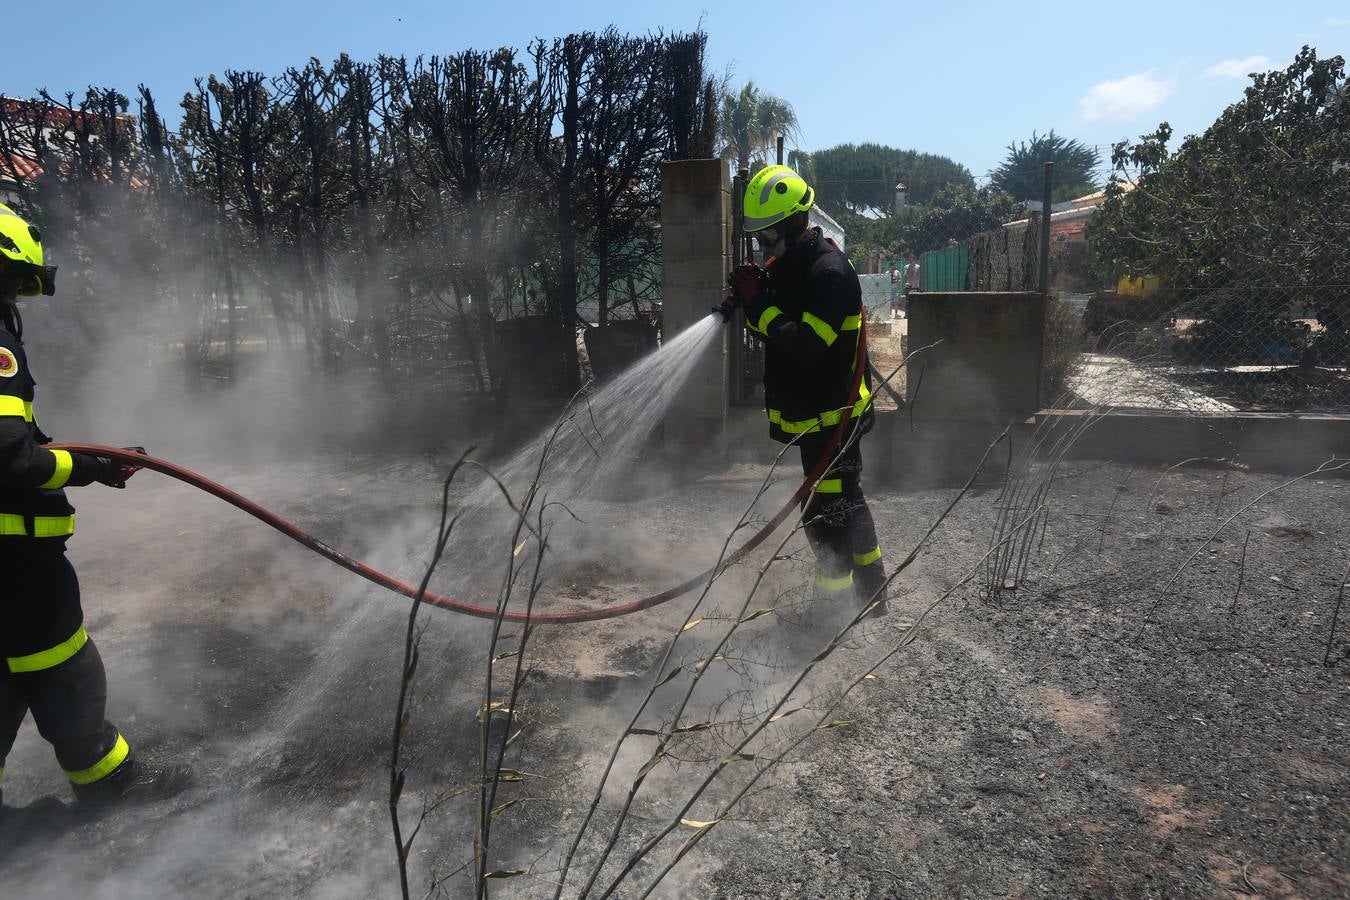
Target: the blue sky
(961, 79)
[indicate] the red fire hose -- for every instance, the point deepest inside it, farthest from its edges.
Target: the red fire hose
(187, 476)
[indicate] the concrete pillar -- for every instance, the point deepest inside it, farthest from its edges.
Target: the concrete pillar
(695, 259)
(981, 374)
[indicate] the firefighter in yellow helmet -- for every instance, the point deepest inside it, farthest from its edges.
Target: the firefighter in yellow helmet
(50, 665)
(806, 305)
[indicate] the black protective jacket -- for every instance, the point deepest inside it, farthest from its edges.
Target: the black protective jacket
(34, 512)
(810, 317)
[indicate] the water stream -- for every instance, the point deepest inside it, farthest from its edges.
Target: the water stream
(597, 443)
(600, 439)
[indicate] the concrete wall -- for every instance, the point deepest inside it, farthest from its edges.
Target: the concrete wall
(987, 362)
(982, 376)
(1273, 442)
(695, 258)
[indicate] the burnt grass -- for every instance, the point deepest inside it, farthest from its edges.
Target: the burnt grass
(1049, 741)
(1052, 743)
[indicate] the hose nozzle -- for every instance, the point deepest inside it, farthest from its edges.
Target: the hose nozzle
(726, 308)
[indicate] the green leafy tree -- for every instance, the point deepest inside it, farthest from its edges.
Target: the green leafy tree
(861, 178)
(958, 211)
(750, 122)
(1248, 219)
(1022, 172)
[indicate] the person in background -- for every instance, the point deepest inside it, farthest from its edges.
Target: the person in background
(895, 291)
(911, 280)
(51, 667)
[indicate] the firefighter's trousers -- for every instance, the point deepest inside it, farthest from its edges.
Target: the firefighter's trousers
(839, 525)
(51, 667)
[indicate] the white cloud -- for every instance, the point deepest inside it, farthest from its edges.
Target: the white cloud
(1237, 68)
(1338, 23)
(1124, 98)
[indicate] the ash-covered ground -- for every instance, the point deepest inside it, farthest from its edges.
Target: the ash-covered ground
(1046, 743)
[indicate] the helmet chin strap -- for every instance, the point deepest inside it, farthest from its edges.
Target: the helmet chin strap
(13, 321)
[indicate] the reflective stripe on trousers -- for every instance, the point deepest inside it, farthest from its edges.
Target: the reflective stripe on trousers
(105, 766)
(52, 656)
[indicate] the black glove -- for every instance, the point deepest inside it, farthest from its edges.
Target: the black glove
(89, 469)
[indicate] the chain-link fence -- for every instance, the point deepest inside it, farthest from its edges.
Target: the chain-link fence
(1231, 293)
(1189, 285)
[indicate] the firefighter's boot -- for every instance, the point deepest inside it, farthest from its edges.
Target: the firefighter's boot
(869, 580)
(136, 782)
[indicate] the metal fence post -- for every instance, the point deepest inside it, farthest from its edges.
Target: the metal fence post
(1045, 228)
(1044, 274)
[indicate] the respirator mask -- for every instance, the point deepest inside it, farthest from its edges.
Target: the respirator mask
(773, 240)
(37, 280)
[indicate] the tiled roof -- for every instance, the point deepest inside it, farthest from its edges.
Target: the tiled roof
(17, 168)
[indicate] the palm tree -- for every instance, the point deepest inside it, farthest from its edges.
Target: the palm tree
(803, 163)
(750, 124)
(1022, 171)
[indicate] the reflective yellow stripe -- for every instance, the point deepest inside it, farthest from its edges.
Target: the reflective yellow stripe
(851, 323)
(16, 406)
(866, 559)
(830, 486)
(52, 656)
(820, 327)
(766, 318)
(803, 426)
(105, 766)
(12, 525)
(843, 582)
(62, 474)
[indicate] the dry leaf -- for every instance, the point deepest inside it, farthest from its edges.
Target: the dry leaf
(502, 806)
(496, 706)
(650, 764)
(784, 715)
(757, 614)
(691, 624)
(691, 823)
(669, 675)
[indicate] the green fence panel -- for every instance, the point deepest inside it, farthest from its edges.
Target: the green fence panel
(947, 269)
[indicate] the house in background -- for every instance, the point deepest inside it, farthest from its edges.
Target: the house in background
(32, 133)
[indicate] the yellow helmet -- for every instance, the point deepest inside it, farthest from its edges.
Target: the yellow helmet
(774, 194)
(21, 244)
